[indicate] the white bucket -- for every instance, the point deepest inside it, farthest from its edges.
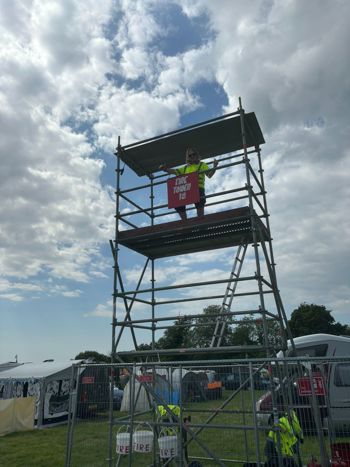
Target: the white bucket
(167, 446)
(123, 443)
(143, 441)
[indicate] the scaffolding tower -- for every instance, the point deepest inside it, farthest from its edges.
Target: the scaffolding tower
(236, 219)
(234, 231)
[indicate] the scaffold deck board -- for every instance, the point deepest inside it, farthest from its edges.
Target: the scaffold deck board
(212, 231)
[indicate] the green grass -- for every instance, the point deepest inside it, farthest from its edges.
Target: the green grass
(38, 448)
(46, 447)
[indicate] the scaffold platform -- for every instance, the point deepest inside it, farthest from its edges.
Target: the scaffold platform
(212, 231)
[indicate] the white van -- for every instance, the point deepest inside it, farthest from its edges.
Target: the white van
(336, 378)
(319, 345)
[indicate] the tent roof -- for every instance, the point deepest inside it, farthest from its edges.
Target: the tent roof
(212, 138)
(8, 365)
(37, 370)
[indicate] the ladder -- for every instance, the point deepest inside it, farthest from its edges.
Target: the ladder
(228, 297)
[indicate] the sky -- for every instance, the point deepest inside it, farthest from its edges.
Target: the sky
(76, 75)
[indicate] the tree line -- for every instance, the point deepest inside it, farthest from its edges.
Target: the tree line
(189, 332)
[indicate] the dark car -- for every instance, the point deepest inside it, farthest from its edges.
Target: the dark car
(241, 376)
(287, 395)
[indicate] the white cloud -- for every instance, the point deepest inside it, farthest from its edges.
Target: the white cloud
(135, 63)
(138, 25)
(193, 8)
(279, 59)
(104, 310)
(101, 311)
(186, 70)
(12, 297)
(72, 293)
(56, 212)
(74, 76)
(139, 115)
(163, 86)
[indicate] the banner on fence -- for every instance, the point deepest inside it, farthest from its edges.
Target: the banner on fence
(305, 389)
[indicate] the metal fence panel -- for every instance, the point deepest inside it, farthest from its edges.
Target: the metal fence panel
(209, 412)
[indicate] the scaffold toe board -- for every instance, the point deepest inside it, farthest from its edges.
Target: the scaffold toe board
(212, 231)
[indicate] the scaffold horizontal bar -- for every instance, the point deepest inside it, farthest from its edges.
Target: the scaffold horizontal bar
(194, 350)
(198, 315)
(184, 286)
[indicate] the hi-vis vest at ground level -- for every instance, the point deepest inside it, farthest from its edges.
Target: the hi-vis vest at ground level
(296, 425)
(175, 409)
(287, 437)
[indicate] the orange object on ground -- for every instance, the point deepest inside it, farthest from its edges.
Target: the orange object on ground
(215, 385)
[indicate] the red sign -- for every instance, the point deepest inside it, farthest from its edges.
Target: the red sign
(304, 386)
(183, 190)
(88, 380)
(145, 378)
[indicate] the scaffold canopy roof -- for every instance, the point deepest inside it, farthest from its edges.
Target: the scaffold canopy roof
(212, 138)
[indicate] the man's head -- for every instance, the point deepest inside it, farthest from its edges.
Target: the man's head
(192, 156)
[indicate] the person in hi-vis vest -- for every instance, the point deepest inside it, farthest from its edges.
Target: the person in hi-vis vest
(193, 164)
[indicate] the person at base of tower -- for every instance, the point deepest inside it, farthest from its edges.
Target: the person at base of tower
(287, 442)
(193, 164)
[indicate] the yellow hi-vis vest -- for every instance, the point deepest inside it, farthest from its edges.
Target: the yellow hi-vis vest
(175, 409)
(187, 169)
(287, 437)
(296, 425)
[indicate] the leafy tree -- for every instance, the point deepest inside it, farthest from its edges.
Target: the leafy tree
(197, 332)
(204, 327)
(341, 329)
(244, 332)
(178, 335)
(144, 347)
(312, 319)
(96, 357)
(250, 331)
(200, 331)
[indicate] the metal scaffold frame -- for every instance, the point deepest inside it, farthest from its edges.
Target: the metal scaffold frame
(241, 220)
(239, 227)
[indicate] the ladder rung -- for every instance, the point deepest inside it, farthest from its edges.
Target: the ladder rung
(221, 322)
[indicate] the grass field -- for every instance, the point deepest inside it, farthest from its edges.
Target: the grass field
(46, 447)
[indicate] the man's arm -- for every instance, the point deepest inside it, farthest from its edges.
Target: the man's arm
(211, 172)
(166, 169)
